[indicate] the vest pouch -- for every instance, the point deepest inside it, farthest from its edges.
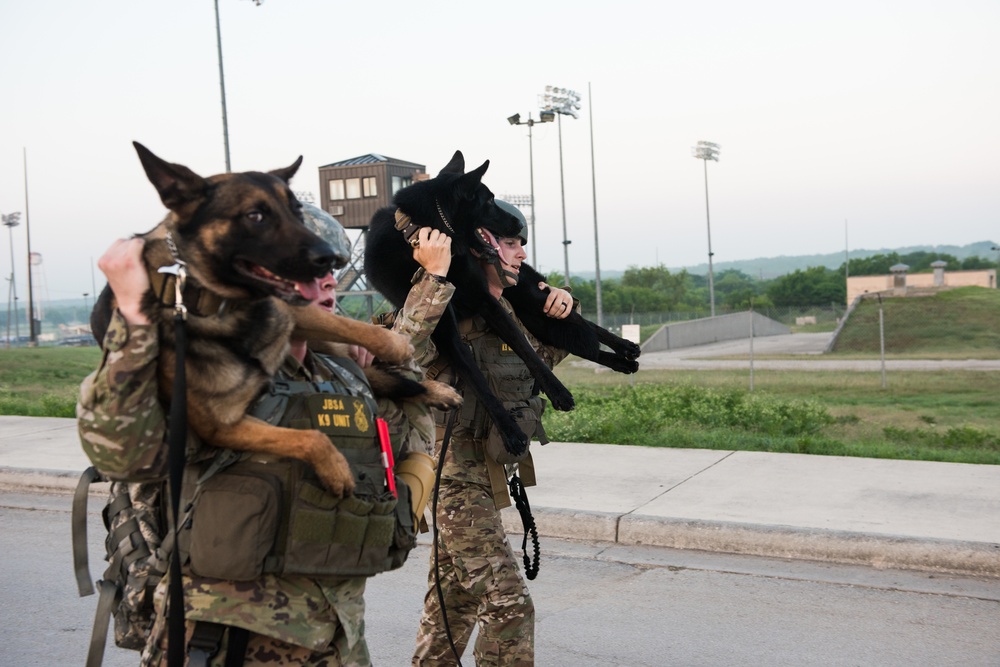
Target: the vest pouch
(333, 536)
(528, 418)
(404, 536)
(233, 523)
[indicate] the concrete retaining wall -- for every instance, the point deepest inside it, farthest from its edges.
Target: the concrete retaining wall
(712, 330)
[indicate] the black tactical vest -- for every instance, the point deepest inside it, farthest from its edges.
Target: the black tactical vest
(259, 515)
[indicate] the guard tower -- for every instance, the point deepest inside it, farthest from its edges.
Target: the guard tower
(351, 191)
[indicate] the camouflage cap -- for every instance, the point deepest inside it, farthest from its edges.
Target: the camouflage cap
(327, 228)
(516, 212)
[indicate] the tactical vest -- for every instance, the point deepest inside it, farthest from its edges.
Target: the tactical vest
(508, 377)
(252, 514)
(511, 381)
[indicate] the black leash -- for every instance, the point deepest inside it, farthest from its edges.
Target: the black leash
(520, 497)
(434, 525)
(175, 460)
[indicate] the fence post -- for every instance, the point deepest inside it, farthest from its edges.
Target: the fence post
(881, 337)
(751, 344)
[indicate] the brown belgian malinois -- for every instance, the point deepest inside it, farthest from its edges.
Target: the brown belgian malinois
(242, 241)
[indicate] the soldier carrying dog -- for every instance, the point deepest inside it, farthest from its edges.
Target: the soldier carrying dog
(274, 612)
(478, 572)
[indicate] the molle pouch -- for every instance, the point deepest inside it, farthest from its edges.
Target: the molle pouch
(333, 536)
(528, 415)
(231, 521)
(404, 536)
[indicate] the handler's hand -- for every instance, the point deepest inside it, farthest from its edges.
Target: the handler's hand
(362, 357)
(559, 303)
(126, 274)
(433, 252)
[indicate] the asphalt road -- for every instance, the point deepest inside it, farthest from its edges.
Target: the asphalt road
(597, 604)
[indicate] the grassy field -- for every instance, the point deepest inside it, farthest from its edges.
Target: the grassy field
(44, 381)
(935, 416)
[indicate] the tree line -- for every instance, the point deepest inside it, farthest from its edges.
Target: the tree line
(656, 289)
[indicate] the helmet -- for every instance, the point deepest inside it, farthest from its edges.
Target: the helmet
(516, 212)
(325, 226)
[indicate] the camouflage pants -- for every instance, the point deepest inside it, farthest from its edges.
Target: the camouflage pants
(263, 650)
(481, 583)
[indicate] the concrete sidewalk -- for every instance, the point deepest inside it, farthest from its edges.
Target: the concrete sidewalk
(941, 517)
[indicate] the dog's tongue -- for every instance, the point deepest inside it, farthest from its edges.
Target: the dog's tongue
(506, 253)
(309, 291)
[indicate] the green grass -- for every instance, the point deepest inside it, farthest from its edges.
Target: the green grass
(44, 381)
(963, 321)
(935, 416)
(932, 416)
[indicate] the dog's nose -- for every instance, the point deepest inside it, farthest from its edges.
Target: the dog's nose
(322, 257)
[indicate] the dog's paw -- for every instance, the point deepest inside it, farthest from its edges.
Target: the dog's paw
(561, 399)
(624, 365)
(440, 395)
(391, 347)
(630, 350)
(333, 470)
(514, 440)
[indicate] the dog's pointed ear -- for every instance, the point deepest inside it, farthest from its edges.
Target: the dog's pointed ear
(475, 177)
(176, 184)
(287, 173)
(467, 183)
(456, 165)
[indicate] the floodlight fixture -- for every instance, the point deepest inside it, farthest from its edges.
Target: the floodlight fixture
(706, 150)
(561, 100)
(515, 119)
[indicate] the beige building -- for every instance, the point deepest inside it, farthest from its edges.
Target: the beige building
(899, 280)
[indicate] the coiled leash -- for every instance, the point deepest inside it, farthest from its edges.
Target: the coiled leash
(520, 498)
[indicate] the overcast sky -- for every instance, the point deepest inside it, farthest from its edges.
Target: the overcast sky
(883, 114)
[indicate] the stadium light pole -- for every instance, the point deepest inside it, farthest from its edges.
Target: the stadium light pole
(562, 102)
(705, 151)
(593, 184)
(222, 82)
(545, 117)
(10, 221)
(33, 340)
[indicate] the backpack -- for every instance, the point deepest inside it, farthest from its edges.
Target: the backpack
(137, 557)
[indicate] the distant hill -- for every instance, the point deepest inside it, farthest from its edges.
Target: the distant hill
(766, 268)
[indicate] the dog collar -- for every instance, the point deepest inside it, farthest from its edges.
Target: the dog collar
(406, 226)
(198, 300)
(444, 218)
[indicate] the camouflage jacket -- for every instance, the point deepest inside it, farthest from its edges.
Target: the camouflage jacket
(122, 427)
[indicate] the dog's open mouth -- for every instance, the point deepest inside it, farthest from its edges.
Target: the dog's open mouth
(492, 248)
(284, 289)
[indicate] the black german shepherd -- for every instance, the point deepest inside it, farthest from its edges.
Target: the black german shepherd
(242, 241)
(459, 204)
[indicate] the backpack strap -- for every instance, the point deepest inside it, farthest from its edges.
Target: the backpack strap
(105, 609)
(206, 640)
(81, 562)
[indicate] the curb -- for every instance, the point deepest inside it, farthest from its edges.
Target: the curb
(46, 481)
(874, 550)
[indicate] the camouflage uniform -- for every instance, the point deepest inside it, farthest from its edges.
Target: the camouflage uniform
(480, 576)
(293, 620)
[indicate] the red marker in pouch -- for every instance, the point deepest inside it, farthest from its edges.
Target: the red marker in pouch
(387, 460)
